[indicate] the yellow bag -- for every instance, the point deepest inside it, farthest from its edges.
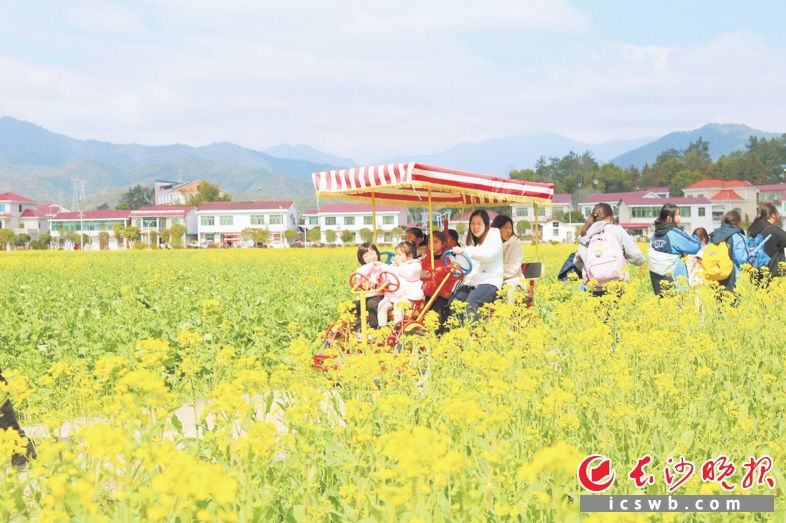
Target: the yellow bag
(716, 261)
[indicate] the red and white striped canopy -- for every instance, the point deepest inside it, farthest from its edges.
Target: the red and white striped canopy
(409, 184)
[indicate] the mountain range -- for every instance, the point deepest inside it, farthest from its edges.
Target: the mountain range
(42, 164)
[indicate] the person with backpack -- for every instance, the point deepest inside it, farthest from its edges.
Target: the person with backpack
(767, 241)
(668, 246)
(695, 271)
(726, 252)
(605, 250)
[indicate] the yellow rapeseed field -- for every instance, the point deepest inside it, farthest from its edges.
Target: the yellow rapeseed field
(177, 386)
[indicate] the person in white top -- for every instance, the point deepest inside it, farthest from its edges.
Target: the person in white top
(410, 288)
(484, 248)
(512, 254)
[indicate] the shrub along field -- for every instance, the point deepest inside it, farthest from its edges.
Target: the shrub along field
(176, 385)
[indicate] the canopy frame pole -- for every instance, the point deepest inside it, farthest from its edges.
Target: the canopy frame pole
(374, 215)
(430, 233)
(537, 230)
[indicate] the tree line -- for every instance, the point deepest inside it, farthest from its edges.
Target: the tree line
(763, 161)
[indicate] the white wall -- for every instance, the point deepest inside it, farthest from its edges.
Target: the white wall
(399, 219)
(241, 219)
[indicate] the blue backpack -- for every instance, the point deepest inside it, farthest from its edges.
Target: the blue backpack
(756, 255)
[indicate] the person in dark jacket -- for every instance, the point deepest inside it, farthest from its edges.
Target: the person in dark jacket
(668, 247)
(731, 233)
(766, 224)
(8, 422)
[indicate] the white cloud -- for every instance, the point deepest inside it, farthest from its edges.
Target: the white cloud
(372, 80)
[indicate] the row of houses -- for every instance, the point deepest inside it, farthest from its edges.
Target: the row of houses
(209, 223)
(703, 205)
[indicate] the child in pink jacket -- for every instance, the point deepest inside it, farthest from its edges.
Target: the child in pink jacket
(410, 288)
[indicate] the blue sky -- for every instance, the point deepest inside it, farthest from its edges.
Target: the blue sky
(373, 80)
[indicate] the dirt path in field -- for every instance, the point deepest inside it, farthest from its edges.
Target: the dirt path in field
(189, 416)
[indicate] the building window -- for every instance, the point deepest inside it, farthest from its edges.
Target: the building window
(387, 220)
(645, 212)
(717, 213)
(313, 220)
(330, 220)
(226, 220)
(522, 212)
(349, 220)
(148, 223)
(276, 219)
(257, 219)
(556, 232)
(175, 221)
(702, 211)
(685, 211)
(367, 220)
(207, 220)
(541, 211)
(210, 237)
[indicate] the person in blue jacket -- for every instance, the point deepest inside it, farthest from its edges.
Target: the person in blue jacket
(731, 232)
(668, 246)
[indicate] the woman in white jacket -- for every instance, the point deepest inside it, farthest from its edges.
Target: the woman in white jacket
(484, 248)
(512, 254)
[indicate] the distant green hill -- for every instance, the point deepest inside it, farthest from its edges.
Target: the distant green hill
(41, 164)
(723, 139)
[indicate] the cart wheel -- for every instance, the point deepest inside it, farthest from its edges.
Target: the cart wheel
(337, 336)
(392, 340)
(390, 280)
(460, 264)
(386, 256)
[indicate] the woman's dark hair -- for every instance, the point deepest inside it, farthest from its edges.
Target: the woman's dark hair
(767, 211)
(471, 238)
(364, 248)
(417, 233)
(453, 235)
(601, 211)
(501, 220)
(409, 248)
(669, 210)
(732, 218)
(701, 234)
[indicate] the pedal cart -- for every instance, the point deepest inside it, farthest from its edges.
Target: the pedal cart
(414, 185)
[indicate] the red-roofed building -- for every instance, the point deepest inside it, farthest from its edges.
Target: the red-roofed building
(714, 183)
(726, 195)
(355, 217)
(160, 218)
(633, 211)
(14, 197)
(90, 223)
(774, 193)
(561, 203)
(222, 223)
(175, 193)
(15, 214)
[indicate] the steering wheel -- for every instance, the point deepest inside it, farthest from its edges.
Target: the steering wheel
(388, 255)
(357, 281)
(390, 281)
(463, 265)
